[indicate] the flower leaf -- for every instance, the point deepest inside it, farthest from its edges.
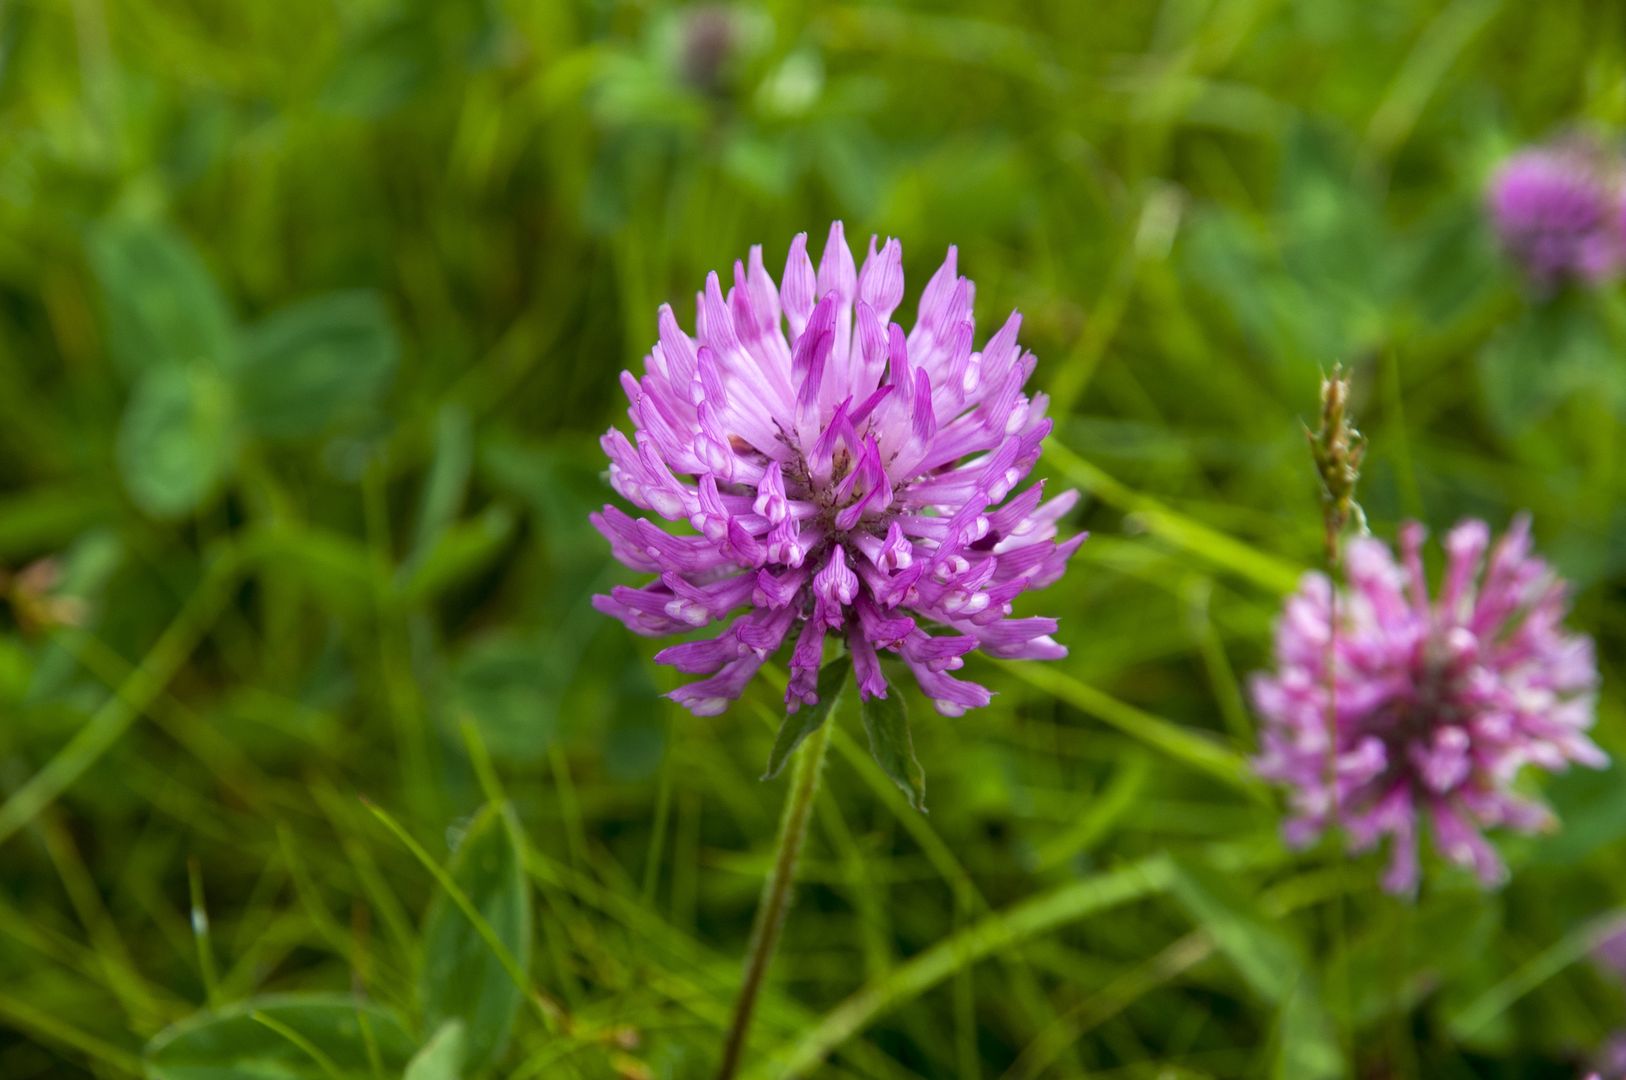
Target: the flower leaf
(335, 1036)
(317, 367)
(441, 1058)
(177, 441)
(886, 722)
(804, 722)
(464, 977)
(163, 307)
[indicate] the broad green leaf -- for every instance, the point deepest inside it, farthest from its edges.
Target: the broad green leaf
(250, 1041)
(176, 441)
(804, 722)
(441, 1057)
(316, 366)
(503, 685)
(1271, 963)
(463, 976)
(886, 722)
(163, 308)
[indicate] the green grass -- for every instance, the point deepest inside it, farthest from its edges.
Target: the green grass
(310, 318)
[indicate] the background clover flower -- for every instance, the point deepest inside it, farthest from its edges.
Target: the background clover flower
(1558, 212)
(846, 480)
(1440, 702)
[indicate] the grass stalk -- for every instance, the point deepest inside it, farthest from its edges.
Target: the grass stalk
(770, 919)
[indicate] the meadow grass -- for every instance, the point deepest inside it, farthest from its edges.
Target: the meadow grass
(311, 316)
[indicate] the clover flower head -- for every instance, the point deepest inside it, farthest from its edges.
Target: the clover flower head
(845, 479)
(1439, 700)
(1560, 213)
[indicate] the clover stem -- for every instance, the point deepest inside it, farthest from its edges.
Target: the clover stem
(1339, 918)
(770, 918)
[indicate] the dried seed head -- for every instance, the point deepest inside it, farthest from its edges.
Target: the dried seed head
(710, 36)
(1337, 449)
(35, 605)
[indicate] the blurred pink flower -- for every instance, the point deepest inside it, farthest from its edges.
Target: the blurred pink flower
(1440, 702)
(1559, 213)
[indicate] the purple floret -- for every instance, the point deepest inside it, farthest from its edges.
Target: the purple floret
(848, 481)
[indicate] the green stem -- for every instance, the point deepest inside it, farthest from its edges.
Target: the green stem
(770, 918)
(1339, 918)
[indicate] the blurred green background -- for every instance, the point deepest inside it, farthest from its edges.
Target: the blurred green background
(311, 315)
